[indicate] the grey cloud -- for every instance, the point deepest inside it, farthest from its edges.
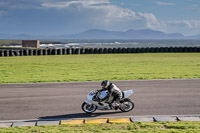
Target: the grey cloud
(190, 24)
(74, 3)
(195, 8)
(165, 3)
(18, 4)
(101, 13)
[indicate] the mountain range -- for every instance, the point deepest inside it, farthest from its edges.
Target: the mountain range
(105, 34)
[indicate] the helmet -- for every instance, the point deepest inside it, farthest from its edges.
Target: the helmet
(105, 83)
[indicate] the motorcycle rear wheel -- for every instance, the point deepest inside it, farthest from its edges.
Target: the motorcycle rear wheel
(127, 104)
(87, 108)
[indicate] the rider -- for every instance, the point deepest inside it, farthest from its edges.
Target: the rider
(114, 91)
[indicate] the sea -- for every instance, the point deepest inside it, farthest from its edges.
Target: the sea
(115, 43)
(78, 43)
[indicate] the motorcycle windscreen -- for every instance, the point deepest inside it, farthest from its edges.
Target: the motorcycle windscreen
(103, 94)
(91, 95)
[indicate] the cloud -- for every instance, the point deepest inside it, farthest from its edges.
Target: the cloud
(195, 8)
(193, 0)
(189, 24)
(103, 8)
(75, 3)
(151, 21)
(103, 13)
(165, 3)
(186, 27)
(79, 15)
(20, 4)
(90, 13)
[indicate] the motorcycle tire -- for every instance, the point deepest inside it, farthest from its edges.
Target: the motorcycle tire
(87, 108)
(129, 105)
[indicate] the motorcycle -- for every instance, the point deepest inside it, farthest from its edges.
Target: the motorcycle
(101, 100)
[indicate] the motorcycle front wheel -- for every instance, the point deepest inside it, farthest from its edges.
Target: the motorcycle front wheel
(126, 105)
(88, 108)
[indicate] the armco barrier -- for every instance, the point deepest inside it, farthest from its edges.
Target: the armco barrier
(69, 51)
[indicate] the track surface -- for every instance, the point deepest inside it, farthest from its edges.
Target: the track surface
(63, 100)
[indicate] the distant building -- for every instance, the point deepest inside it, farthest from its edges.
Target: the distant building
(31, 43)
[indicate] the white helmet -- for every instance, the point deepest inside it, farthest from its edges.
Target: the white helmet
(105, 84)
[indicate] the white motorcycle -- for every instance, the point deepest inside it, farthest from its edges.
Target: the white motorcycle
(101, 100)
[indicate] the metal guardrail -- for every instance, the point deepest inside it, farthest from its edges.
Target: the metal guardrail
(69, 51)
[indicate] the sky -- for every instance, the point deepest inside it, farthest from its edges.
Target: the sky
(63, 17)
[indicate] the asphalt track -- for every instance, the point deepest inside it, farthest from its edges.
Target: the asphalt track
(63, 100)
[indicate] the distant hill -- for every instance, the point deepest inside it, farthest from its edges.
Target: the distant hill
(104, 34)
(130, 34)
(194, 37)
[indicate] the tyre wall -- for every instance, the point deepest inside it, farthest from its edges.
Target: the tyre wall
(69, 51)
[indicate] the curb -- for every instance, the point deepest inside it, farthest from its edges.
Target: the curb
(64, 121)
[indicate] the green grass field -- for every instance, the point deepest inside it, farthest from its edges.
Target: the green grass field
(136, 127)
(96, 67)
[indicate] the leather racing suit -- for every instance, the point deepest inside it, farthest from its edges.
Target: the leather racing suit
(115, 92)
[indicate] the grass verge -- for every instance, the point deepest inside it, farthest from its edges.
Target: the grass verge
(96, 67)
(145, 127)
